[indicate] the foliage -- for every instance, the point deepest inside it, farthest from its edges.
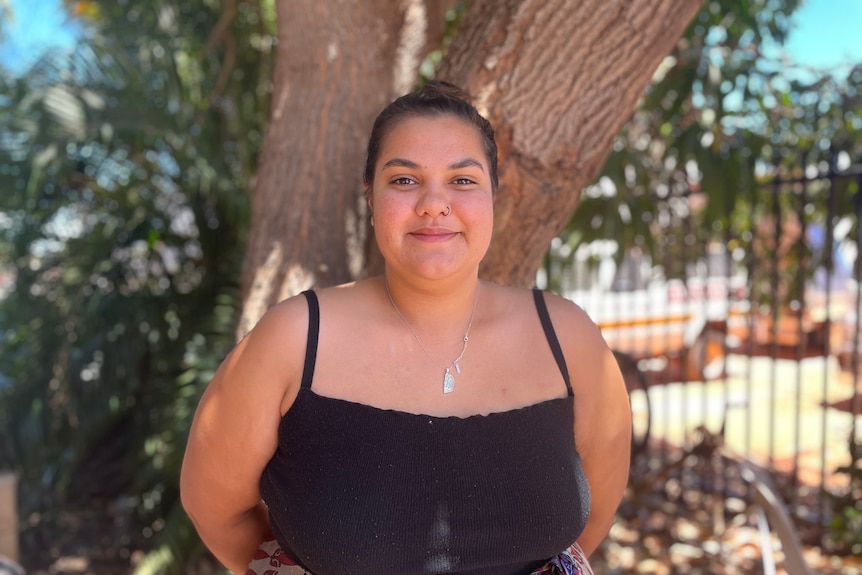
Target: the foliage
(125, 172)
(432, 61)
(5, 16)
(726, 113)
(845, 535)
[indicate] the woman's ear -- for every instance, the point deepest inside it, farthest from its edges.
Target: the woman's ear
(369, 200)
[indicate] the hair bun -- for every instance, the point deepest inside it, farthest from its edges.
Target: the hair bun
(438, 88)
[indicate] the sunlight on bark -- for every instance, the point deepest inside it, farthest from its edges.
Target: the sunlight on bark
(279, 106)
(482, 99)
(356, 232)
(8, 516)
(296, 280)
(410, 44)
(257, 301)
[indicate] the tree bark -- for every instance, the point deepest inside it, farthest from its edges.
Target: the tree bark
(557, 79)
(338, 63)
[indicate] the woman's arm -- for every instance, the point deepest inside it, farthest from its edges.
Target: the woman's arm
(235, 433)
(602, 416)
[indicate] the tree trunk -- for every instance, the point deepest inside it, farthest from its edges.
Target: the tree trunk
(557, 79)
(338, 63)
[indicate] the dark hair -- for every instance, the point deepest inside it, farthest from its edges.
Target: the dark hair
(434, 99)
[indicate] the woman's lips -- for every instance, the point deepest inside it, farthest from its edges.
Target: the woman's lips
(433, 234)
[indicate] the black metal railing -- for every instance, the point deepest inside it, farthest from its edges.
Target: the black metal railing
(744, 332)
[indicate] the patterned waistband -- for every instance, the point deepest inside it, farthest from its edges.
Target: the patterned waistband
(572, 561)
(271, 560)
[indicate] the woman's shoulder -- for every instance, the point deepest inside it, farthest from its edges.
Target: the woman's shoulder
(282, 319)
(593, 369)
(275, 345)
(295, 311)
(578, 334)
(565, 314)
(568, 311)
(349, 299)
(290, 318)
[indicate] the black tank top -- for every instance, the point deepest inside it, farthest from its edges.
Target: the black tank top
(357, 490)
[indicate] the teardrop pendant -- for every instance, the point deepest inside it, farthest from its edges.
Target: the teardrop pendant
(448, 382)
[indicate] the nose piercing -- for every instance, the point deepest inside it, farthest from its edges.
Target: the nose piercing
(448, 210)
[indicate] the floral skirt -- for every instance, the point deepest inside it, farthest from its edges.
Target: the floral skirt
(271, 560)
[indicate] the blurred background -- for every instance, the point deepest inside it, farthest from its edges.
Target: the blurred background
(717, 250)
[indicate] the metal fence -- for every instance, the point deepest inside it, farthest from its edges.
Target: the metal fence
(742, 331)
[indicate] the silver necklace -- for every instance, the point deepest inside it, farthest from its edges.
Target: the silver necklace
(448, 377)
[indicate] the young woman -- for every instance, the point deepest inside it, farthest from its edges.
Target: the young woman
(423, 421)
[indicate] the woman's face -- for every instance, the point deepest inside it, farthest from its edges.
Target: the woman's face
(431, 198)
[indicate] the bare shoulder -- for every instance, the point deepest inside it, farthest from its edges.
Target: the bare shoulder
(348, 302)
(575, 330)
(285, 322)
(281, 333)
(593, 369)
(268, 361)
(236, 423)
(283, 330)
(602, 413)
(568, 319)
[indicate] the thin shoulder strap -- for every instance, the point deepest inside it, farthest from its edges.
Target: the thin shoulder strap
(545, 318)
(313, 333)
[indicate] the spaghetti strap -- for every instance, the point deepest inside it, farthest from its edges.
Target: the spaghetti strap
(545, 318)
(311, 344)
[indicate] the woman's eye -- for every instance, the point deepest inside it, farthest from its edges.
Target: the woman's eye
(463, 182)
(404, 181)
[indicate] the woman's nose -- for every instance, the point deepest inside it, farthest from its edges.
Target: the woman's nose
(433, 201)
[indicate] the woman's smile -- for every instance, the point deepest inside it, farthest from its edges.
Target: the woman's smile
(429, 234)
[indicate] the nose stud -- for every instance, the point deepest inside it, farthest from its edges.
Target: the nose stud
(448, 210)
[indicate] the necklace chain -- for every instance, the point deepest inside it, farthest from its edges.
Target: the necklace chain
(448, 377)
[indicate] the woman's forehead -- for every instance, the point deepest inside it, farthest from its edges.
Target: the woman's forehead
(445, 137)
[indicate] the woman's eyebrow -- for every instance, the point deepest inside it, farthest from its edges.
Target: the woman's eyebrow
(466, 163)
(400, 163)
(404, 163)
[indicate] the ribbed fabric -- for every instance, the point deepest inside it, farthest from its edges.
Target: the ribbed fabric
(353, 489)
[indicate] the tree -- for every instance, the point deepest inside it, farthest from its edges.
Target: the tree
(124, 169)
(338, 63)
(557, 79)
(726, 113)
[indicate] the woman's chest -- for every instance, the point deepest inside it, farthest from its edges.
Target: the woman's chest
(388, 492)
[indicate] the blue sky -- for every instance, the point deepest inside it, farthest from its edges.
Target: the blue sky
(826, 34)
(36, 26)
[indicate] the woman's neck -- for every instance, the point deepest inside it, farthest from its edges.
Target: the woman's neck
(434, 309)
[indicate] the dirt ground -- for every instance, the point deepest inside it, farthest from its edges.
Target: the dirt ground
(696, 519)
(776, 413)
(692, 515)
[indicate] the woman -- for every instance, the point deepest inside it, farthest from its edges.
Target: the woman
(423, 421)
